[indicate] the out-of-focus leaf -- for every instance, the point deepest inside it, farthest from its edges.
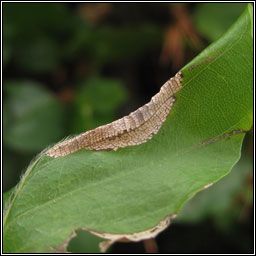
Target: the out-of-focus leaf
(33, 118)
(37, 55)
(107, 43)
(213, 19)
(36, 18)
(96, 102)
(84, 242)
(34, 34)
(6, 53)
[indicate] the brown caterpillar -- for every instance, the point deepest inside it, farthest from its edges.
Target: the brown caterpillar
(136, 128)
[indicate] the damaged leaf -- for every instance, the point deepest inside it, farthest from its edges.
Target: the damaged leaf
(134, 129)
(124, 193)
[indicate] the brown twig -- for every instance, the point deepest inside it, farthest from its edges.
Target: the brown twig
(150, 246)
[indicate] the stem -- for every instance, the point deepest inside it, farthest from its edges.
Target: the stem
(150, 246)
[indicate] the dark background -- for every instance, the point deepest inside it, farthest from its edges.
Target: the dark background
(70, 67)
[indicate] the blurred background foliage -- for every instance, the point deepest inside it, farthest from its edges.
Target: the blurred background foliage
(70, 67)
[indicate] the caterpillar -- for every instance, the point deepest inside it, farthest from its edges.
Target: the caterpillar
(136, 128)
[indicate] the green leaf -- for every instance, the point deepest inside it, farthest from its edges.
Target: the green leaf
(7, 195)
(95, 103)
(7, 52)
(24, 21)
(220, 200)
(130, 190)
(213, 19)
(84, 242)
(34, 40)
(39, 54)
(33, 118)
(105, 43)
